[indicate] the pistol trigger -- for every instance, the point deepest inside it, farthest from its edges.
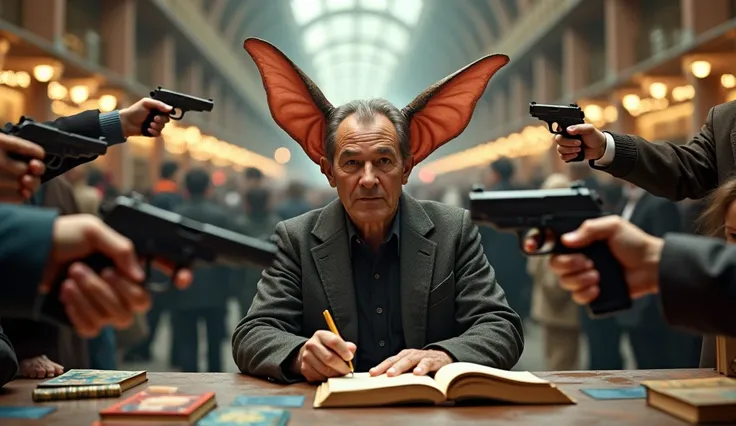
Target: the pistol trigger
(54, 163)
(551, 127)
(173, 116)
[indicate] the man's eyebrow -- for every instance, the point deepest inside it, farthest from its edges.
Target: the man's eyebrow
(349, 153)
(386, 150)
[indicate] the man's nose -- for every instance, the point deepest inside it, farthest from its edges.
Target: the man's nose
(368, 176)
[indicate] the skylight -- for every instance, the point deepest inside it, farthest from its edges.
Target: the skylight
(355, 44)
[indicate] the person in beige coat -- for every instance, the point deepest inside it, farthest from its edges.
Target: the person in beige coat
(552, 308)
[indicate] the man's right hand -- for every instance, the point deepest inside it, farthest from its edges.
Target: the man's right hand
(324, 355)
(18, 179)
(638, 253)
(594, 143)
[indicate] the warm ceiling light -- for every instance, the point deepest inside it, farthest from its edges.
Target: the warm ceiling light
(728, 81)
(631, 102)
(658, 90)
(700, 69)
(107, 103)
(43, 73)
(282, 155)
(56, 91)
(593, 113)
(79, 94)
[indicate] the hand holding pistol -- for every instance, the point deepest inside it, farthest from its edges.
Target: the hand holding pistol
(550, 213)
(558, 119)
(179, 102)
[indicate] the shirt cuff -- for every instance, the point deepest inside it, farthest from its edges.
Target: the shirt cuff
(608, 154)
(112, 127)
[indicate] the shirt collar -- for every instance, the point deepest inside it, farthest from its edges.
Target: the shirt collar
(394, 230)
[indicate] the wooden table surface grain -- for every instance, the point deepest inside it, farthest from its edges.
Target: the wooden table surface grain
(587, 411)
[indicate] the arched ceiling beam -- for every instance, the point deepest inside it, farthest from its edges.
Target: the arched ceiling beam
(232, 29)
(382, 15)
(481, 25)
(503, 17)
(256, 27)
(214, 15)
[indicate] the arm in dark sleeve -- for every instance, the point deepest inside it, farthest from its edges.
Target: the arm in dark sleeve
(266, 340)
(8, 360)
(25, 243)
(697, 284)
(666, 169)
(492, 333)
(92, 124)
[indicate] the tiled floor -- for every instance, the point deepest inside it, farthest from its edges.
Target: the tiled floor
(531, 360)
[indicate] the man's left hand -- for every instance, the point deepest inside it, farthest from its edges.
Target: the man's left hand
(423, 362)
(132, 117)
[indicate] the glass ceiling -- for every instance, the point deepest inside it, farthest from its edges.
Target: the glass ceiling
(355, 45)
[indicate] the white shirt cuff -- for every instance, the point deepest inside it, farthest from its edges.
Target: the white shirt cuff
(608, 154)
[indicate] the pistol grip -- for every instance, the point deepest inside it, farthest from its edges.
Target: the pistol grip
(581, 154)
(149, 119)
(614, 290)
(52, 309)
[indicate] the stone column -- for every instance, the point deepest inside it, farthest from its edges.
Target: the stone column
(163, 59)
(698, 17)
(119, 37)
(500, 109)
(37, 102)
(708, 93)
(45, 18)
(625, 123)
(118, 30)
(575, 59)
(622, 27)
(519, 98)
(545, 75)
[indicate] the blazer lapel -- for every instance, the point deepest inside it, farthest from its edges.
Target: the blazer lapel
(334, 266)
(417, 264)
(733, 153)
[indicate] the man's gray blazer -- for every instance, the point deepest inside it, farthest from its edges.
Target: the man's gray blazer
(450, 299)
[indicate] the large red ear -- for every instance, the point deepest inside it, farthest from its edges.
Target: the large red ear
(440, 113)
(296, 103)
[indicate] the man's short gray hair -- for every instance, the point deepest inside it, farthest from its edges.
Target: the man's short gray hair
(365, 113)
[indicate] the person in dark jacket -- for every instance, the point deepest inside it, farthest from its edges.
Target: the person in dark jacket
(206, 299)
(165, 195)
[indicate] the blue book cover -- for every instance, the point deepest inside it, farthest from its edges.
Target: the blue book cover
(245, 416)
(83, 377)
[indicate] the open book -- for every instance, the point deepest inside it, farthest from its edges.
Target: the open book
(453, 382)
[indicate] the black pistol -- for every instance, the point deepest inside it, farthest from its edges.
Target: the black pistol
(179, 102)
(552, 213)
(558, 118)
(164, 235)
(58, 144)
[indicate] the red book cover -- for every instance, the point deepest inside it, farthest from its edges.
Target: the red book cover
(147, 404)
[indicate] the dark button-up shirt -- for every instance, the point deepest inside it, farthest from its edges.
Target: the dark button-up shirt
(378, 292)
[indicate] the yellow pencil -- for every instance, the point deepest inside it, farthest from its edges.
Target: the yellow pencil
(333, 328)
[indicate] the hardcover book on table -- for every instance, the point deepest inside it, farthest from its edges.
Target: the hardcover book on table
(161, 407)
(85, 383)
(453, 382)
(695, 400)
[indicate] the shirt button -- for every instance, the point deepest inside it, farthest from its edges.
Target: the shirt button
(381, 343)
(376, 276)
(379, 310)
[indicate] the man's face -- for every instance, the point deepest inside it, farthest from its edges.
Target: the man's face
(367, 169)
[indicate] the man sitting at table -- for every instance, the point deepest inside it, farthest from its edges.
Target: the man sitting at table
(406, 281)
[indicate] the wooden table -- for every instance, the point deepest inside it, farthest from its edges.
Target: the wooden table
(587, 412)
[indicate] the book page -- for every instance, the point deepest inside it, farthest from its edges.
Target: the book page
(450, 372)
(364, 381)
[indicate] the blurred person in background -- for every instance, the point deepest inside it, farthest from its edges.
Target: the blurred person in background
(502, 248)
(260, 222)
(552, 307)
(164, 195)
(206, 298)
(253, 178)
(87, 196)
(295, 201)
